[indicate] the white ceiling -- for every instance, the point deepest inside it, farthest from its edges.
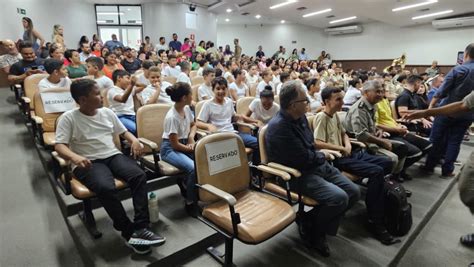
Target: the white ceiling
(365, 10)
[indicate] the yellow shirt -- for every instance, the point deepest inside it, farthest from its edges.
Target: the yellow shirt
(384, 114)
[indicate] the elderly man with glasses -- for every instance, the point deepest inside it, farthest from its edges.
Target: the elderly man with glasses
(290, 142)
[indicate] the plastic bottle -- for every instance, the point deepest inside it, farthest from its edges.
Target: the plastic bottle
(153, 208)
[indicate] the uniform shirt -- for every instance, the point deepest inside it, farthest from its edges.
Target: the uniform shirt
(290, 142)
(406, 99)
(164, 98)
(262, 114)
(239, 90)
(383, 115)
(328, 129)
(46, 84)
(170, 71)
(183, 77)
(118, 107)
(352, 95)
(218, 115)
(251, 79)
(261, 86)
(360, 120)
(176, 124)
(205, 91)
(90, 136)
(104, 83)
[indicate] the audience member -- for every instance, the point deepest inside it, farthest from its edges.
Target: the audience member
(111, 64)
(184, 75)
(94, 67)
(172, 69)
(11, 57)
(263, 109)
(205, 89)
(130, 63)
(75, 69)
(238, 88)
(27, 66)
(121, 99)
(175, 45)
(30, 35)
(114, 43)
(353, 92)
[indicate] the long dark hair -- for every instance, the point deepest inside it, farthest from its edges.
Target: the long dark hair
(29, 29)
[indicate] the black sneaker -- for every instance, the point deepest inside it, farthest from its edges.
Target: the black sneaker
(381, 234)
(146, 237)
(139, 249)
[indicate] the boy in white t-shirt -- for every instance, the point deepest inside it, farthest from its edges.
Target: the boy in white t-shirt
(262, 110)
(94, 67)
(121, 99)
(172, 69)
(284, 77)
(205, 90)
(238, 88)
(85, 136)
(218, 114)
(57, 75)
(156, 91)
(266, 80)
(143, 78)
(184, 75)
(203, 64)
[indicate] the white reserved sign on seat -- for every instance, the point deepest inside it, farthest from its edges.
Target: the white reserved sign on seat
(222, 156)
(57, 102)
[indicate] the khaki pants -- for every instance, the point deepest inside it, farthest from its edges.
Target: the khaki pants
(466, 183)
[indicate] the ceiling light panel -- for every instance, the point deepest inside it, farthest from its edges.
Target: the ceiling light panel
(429, 2)
(283, 4)
(342, 20)
(317, 13)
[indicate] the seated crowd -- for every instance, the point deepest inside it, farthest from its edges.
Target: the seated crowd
(105, 82)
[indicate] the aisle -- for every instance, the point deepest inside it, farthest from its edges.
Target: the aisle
(32, 230)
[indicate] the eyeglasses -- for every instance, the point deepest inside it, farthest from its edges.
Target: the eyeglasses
(302, 100)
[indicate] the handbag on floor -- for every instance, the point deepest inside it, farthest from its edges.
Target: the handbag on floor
(398, 217)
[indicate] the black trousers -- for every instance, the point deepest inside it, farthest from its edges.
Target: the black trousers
(417, 148)
(99, 178)
(374, 167)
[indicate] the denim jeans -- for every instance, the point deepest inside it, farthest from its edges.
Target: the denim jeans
(182, 161)
(99, 178)
(334, 192)
(251, 141)
(129, 121)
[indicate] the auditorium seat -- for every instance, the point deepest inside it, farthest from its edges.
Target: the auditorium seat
(229, 206)
(30, 86)
(192, 74)
(198, 80)
(169, 79)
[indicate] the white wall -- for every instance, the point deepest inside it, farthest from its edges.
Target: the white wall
(161, 19)
(77, 18)
(271, 37)
(422, 44)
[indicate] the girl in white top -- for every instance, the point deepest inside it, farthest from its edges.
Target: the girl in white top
(238, 88)
(263, 109)
(252, 75)
(315, 103)
(155, 92)
(267, 80)
(177, 147)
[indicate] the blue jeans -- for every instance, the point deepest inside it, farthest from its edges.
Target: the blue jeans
(251, 141)
(334, 192)
(129, 121)
(446, 135)
(182, 161)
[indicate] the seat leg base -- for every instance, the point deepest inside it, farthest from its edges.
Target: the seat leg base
(87, 217)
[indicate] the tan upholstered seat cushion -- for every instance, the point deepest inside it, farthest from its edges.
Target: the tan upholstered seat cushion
(49, 138)
(280, 191)
(80, 191)
(261, 216)
(165, 167)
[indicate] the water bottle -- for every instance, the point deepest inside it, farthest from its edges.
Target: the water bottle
(153, 208)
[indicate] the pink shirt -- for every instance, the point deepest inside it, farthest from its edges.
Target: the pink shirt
(186, 47)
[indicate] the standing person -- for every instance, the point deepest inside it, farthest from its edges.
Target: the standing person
(96, 160)
(75, 69)
(290, 142)
(175, 45)
(58, 35)
(303, 55)
(11, 57)
(433, 70)
(31, 35)
(447, 132)
(114, 43)
(162, 45)
(177, 147)
(260, 52)
(186, 48)
(96, 39)
(237, 50)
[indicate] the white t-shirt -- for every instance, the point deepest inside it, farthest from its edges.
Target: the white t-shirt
(251, 79)
(46, 84)
(175, 124)
(261, 86)
(199, 71)
(278, 89)
(240, 90)
(352, 95)
(118, 107)
(276, 79)
(90, 136)
(262, 114)
(169, 71)
(218, 115)
(205, 91)
(164, 98)
(227, 74)
(315, 101)
(183, 77)
(159, 47)
(142, 79)
(104, 83)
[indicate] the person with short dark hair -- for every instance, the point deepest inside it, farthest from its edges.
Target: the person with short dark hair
(85, 52)
(205, 89)
(121, 99)
(172, 69)
(130, 63)
(238, 88)
(57, 75)
(75, 69)
(96, 161)
(175, 45)
(260, 52)
(290, 142)
(114, 43)
(28, 65)
(284, 77)
(94, 68)
(263, 109)
(184, 75)
(353, 92)
(329, 133)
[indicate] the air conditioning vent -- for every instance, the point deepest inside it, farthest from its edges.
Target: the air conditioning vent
(302, 8)
(453, 23)
(344, 30)
(245, 14)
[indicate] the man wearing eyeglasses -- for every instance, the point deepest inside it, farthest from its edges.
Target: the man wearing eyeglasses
(290, 142)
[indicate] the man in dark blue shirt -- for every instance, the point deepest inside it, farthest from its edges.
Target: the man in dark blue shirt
(175, 45)
(447, 132)
(290, 142)
(27, 66)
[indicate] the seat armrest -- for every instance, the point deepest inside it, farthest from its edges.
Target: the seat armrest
(284, 175)
(334, 153)
(200, 133)
(148, 143)
(357, 143)
(26, 100)
(37, 119)
(248, 125)
(230, 199)
(292, 171)
(62, 162)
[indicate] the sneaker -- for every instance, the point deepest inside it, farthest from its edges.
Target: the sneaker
(139, 249)
(146, 237)
(381, 234)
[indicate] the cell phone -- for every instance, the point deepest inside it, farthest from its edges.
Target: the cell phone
(34, 67)
(460, 59)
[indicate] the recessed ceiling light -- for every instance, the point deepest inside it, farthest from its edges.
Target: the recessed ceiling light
(415, 5)
(341, 20)
(282, 21)
(283, 4)
(317, 13)
(227, 20)
(258, 16)
(228, 10)
(433, 14)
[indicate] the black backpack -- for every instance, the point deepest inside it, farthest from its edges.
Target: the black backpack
(398, 219)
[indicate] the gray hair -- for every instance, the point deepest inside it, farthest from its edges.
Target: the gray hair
(289, 92)
(371, 85)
